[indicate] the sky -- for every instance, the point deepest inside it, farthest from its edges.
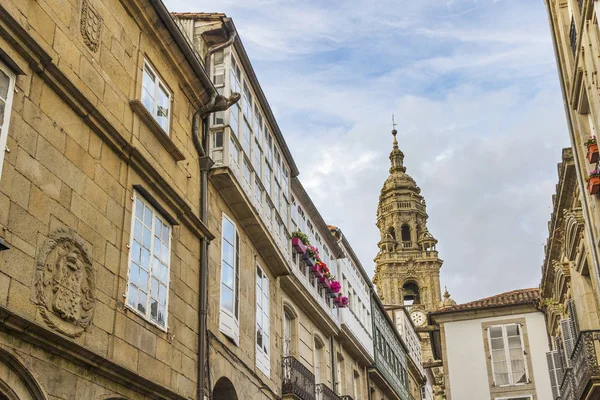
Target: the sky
(474, 89)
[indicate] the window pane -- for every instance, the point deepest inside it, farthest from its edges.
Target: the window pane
(4, 83)
(142, 299)
(162, 110)
(228, 275)
(137, 230)
(496, 332)
(139, 209)
(226, 298)
(148, 217)
(2, 107)
(145, 259)
(228, 254)
(154, 309)
(143, 282)
(228, 231)
(132, 295)
(136, 252)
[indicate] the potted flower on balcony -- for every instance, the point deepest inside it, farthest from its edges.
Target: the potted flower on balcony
(317, 270)
(334, 288)
(341, 301)
(310, 256)
(299, 242)
(592, 147)
(594, 182)
(325, 280)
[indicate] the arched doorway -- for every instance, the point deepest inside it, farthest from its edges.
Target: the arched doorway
(224, 390)
(25, 387)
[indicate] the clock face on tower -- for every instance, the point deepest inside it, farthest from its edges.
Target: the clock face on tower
(419, 318)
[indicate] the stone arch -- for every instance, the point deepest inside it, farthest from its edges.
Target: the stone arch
(405, 232)
(411, 292)
(224, 390)
(20, 385)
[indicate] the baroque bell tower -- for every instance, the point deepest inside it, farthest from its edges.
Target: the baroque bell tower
(407, 267)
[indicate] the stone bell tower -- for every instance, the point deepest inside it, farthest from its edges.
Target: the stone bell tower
(407, 267)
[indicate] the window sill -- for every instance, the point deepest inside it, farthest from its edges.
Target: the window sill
(156, 129)
(165, 329)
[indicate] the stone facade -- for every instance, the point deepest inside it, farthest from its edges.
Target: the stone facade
(77, 151)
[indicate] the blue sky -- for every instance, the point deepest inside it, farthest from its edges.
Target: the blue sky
(474, 88)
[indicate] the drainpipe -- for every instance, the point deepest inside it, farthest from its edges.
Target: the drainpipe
(333, 371)
(216, 103)
(588, 228)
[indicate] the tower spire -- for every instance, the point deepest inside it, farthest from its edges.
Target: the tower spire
(396, 156)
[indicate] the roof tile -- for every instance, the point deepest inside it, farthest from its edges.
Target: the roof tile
(514, 297)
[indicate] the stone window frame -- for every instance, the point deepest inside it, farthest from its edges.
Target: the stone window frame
(12, 78)
(167, 220)
(508, 392)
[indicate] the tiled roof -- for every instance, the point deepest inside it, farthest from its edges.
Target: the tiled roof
(198, 15)
(515, 297)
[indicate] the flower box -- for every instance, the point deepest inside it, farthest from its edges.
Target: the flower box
(316, 271)
(309, 260)
(298, 246)
(592, 154)
(324, 282)
(594, 184)
(341, 301)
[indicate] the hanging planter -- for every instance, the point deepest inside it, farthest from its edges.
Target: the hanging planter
(299, 242)
(316, 271)
(335, 286)
(298, 246)
(325, 282)
(341, 301)
(592, 147)
(594, 182)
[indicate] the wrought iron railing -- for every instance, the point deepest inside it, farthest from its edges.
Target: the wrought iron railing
(573, 36)
(567, 387)
(324, 392)
(585, 361)
(297, 379)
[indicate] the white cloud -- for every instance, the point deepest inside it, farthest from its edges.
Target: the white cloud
(473, 86)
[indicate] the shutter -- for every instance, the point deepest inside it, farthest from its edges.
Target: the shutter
(573, 317)
(236, 292)
(560, 361)
(263, 349)
(568, 340)
(552, 369)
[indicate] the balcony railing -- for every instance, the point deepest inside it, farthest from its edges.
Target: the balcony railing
(325, 393)
(297, 379)
(585, 362)
(573, 36)
(566, 388)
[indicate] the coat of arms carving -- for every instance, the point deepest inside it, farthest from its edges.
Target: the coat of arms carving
(64, 283)
(91, 25)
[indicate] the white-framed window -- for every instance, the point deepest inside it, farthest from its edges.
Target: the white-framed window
(507, 352)
(7, 90)
(263, 324)
(156, 97)
(234, 150)
(256, 158)
(219, 68)
(234, 119)
(246, 137)
(268, 143)
(230, 269)
(288, 329)
(247, 172)
(267, 177)
(149, 261)
(247, 102)
(258, 191)
(217, 140)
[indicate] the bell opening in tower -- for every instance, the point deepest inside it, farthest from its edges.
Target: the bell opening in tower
(405, 233)
(410, 294)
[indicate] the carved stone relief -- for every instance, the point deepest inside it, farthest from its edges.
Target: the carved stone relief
(64, 283)
(91, 25)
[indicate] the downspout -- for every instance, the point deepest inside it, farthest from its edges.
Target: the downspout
(205, 164)
(589, 230)
(333, 371)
